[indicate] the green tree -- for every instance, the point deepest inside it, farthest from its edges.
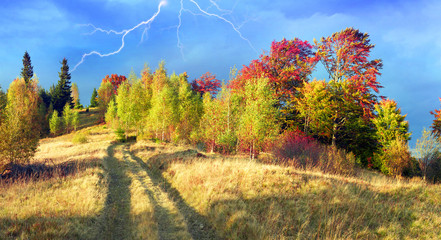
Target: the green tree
(210, 123)
(189, 109)
(67, 117)
(62, 92)
(111, 116)
(258, 121)
(3, 101)
(389, 122)
(54, 123)
(94, 98)
(27, 72)
(105, 95)
(19, 129)
(315, 108)
(163, 112)
(75, 120)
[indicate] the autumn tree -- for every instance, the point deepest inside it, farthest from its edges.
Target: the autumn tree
(352, 87)
(210, 123)
(315, 108)
(62, 93)
(105, 95)
(258, 121)
(287, 66)
(76, 96)
(27, 72)
(94, 98)
(19, 129)
(206, 83)
(115, 80)
(189, 109)
(436, 124)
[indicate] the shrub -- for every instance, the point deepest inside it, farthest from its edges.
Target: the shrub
(395, 158)
(79, 138)
(120, 135)
(297, 149)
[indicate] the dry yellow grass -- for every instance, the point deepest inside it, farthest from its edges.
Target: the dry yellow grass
(250, 200)
(65, 205)
(150, 190)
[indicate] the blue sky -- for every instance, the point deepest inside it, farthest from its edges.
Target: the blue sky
(407, 35)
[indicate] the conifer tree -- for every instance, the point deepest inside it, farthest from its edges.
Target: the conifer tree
(62, 92)
(75, 95)
(27, 72)
(93, 99)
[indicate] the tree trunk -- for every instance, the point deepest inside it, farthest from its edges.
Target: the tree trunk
(334, 132)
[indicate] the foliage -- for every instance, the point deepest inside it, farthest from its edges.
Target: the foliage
(80, 138)
(395, 158)
(19, 129)
(315, 108)
(389, 122)
(68, 116)
(436, 125)
(61, 94)
(75, 120)
(427, 151)
(258, 125)
(27, 72)
(105, 95)
(94, 98)
(297, 149)
(189, 109)
(345, 57)
(75, 96)
(287, 66)
(206, 83)
(115, 80)
(54, 123)
(111, 116)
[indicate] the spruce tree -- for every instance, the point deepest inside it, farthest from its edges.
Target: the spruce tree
(27, 72)
(62, 92)
(93, 99)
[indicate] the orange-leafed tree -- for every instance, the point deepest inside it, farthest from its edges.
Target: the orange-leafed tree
(436, 125)
(115, 80)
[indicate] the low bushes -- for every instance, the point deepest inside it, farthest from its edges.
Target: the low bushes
(299, 150)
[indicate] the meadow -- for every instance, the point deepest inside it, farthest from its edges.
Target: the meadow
(86, 185)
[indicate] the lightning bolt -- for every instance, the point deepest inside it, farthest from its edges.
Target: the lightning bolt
(149, 21)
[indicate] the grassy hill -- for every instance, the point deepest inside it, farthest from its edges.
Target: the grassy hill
(85, 185)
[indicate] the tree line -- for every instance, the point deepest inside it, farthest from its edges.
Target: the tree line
(272, 104)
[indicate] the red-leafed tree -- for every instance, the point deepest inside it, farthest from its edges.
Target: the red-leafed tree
(115, 80)
(436, 125)
(287, 66)
(345, 57)
(206, 83)
(352, 88)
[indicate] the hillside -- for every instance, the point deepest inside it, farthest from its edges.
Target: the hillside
(102, 189)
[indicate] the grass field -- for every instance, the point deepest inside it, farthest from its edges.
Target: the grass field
(97, 188)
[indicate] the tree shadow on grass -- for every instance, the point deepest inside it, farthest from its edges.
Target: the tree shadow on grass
(315, 214)
(197, 225)
(39, 227)
(116, 221)
(44, 171)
